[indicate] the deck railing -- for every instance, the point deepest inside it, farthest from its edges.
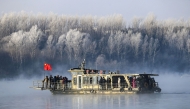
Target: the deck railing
(98, 86)
(51, 85)
(105, 86)
(38, 83)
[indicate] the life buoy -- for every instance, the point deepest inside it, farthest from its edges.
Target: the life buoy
(146, 85)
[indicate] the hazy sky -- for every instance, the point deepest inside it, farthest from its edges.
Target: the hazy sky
(162, 9)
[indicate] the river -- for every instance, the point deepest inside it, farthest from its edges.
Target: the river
(17, 95)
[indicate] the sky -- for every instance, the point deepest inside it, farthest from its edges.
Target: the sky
(162, 9)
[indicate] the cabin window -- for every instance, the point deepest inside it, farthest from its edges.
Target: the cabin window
(85, 80)
(90, 80)
(94, 80)
(75, 81)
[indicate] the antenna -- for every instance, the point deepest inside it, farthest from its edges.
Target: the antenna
(83, 64)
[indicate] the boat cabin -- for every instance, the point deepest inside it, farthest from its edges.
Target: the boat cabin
(85, 79)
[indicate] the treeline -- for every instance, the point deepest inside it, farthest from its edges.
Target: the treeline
(144, 44)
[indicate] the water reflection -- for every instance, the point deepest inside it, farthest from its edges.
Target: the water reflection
(132, 101)
(100, 101)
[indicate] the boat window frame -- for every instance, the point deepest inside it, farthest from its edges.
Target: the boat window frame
(79, 81)
(85, 80)
(74, 80)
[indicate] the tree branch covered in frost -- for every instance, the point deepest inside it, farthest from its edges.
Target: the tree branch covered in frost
(147, 43)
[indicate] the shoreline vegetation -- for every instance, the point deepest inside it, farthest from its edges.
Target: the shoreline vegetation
(108, 42)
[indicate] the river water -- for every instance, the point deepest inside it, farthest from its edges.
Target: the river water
(18, 95)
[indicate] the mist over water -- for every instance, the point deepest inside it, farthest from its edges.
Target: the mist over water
(174, 83)
(175, 94)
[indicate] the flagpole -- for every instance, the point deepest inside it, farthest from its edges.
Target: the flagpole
(44, 69)
(44, 74)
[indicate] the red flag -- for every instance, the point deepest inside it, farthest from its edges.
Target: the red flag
(47, 67)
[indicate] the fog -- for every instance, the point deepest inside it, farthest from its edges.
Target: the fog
(16, 94)
(19, 87)
(174, 83)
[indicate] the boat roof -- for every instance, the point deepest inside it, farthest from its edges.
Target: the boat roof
(114, 74)
(124, 74)
(82, 69)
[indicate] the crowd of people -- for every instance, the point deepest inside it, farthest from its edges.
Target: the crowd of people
(116, 82)
(105, 84)
(56, 82)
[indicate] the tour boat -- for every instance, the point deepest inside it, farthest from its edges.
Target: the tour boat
(92, 81)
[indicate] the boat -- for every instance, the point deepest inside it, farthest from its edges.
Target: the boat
(92, 81)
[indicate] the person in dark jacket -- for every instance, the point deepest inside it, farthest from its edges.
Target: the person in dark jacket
(50, 81)
(54, 83)
(109, 83)
(101, 83)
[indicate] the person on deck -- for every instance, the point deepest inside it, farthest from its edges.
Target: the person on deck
(108, 83)
(45, 82)
(63, 83)
(101, 83)
(119, 81)
(54, 83)
(66, 81)
(104, 83)
(58, 84)
(50, 81)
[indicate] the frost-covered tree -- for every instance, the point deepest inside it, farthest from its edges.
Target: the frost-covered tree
(111, 45)
(23, 43)
(76, 43)
(144, 42)
(33, 41)
(118, 39)
(61, 45)
(144, 47)
(135, 41)
(136, 22)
